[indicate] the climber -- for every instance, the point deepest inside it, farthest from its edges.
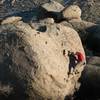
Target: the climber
(75, 60)
(72, 62)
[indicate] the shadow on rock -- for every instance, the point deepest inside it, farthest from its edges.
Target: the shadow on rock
(93, 39)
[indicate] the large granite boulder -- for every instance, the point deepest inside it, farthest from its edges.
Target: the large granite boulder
(34, 62)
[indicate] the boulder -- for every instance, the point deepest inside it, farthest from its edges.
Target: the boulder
(32, 60)
(90, 9)
(71, 12)
(53, 6)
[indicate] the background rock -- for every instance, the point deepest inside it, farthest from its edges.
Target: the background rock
(71, 12)
(90, 9)
(9, 7)
(54, 8)
(93, 39)
(82, 27)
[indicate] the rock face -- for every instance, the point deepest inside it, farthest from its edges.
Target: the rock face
(72, 12)
(35, 62)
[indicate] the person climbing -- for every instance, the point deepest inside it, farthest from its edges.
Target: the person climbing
(72, 62)
(75, 60)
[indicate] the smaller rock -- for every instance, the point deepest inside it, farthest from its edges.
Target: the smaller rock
(72, 12)
(53, 6)
(10, 20)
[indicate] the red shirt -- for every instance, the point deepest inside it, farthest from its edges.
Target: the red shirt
(80, 56)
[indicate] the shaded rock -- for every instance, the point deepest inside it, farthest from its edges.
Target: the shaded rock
(93, 39)
(33, 15)
(90, 80)
(88, 52)
(72, 12)
(94, 60)
(81, 27)
(33, 60)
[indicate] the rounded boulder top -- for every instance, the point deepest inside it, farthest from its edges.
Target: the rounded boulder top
(72, 12)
